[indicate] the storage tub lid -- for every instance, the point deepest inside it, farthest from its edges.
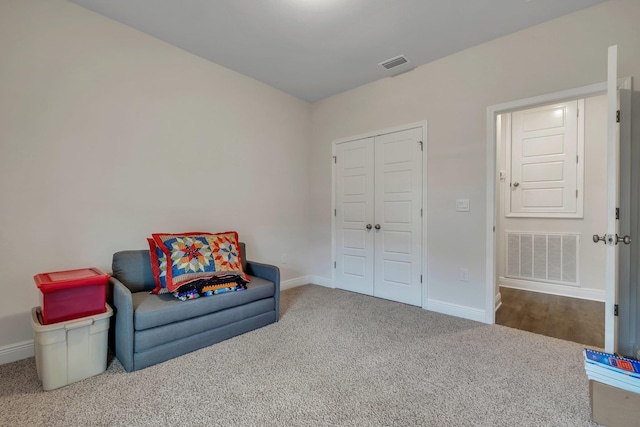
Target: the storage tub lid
(58, 280)
(36, 321)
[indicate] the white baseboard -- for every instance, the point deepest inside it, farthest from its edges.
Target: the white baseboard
(14, 352)
(498, 301)
(553, 289)
(456, 310)
(322, 281)
(303, 280)
(294, 283)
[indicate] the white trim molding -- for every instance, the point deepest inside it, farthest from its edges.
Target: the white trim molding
(321, 281)
(18, 351)
(295, 282)
(305, 280)
(498, 301)
(456, 310)
(553, 289)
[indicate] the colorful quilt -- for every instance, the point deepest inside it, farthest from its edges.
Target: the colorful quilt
(212, 286)
(182, 258)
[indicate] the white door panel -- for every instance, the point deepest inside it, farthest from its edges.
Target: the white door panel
(544, 118)
(355, 239)
(397, 242)
(543, 198)
(544, 161)
(379, 183)
(541, 172)
(398, 194)
(354, 210)
(543, 146)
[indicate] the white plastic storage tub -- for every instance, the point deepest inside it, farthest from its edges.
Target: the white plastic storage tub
(70, 351)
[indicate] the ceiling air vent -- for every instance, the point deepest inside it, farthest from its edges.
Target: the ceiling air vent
(394, 62)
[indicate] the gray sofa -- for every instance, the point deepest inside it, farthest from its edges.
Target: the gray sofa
(148, 329)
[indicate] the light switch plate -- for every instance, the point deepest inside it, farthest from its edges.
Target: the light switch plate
(462, 205)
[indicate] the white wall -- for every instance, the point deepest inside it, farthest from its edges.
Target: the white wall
(453, 94)
(592, 262)
(108, 135)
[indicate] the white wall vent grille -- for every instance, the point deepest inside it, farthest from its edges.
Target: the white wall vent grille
(394, 62)
(543, 257)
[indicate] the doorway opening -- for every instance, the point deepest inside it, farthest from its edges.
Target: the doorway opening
(550, 275)
(497, 237)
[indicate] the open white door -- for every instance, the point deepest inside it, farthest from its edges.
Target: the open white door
(613, 191)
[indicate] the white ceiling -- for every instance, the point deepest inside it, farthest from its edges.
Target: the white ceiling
(313, 49)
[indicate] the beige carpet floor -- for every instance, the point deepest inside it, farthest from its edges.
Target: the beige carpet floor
(335, 358)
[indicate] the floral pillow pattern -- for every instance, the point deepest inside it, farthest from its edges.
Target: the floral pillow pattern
(226, 253)
(193, 256)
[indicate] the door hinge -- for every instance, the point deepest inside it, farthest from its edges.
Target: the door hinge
(618, 116)
(576, 159)
(421, 145)
(576, 194)
(494, 228)
(335, 159)
(334, 264)
(421, 212)
(421, 278)
(615, 310)
(335, 212)
(617, 213)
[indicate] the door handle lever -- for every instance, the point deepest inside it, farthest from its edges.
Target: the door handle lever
(626, 239)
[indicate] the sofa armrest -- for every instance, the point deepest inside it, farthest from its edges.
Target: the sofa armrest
(123, 303)
(267, 272)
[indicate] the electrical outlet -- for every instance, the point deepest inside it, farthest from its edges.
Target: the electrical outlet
(464, 274)
(284, 258)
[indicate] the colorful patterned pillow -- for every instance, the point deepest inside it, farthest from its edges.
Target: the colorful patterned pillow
(226, 253)
(192, 256)
(158, 267)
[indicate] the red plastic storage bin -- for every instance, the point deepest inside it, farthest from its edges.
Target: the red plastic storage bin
(68, 295)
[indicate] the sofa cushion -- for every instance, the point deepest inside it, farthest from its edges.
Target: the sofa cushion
(150, 338)
(133, 268)
(151, 310)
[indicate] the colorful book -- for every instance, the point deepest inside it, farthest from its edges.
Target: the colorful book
(615, 363)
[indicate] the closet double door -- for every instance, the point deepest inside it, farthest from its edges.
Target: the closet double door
(378, 224)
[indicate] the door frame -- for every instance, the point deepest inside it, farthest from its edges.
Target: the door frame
(422, 125)
(491, 298)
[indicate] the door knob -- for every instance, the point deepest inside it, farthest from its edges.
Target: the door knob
(368, 226)
(626, 239)
(377, 226)
(515, 184)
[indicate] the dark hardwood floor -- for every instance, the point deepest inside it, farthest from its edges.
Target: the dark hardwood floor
(570, 319)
